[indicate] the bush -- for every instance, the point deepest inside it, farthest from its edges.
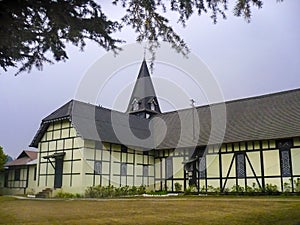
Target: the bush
(163, 192)
(133, 190)
(189, 190)
(287, 187)
(178, 186)
(271, 189)
(253, 189)
(141, 189)
(111, 191)
(212, 189)
(238, 189)
(62, 194)
(297, 185)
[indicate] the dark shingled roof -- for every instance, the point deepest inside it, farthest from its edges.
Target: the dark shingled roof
(25, 158)
(272, 116)
(144, 92)
(99, 124)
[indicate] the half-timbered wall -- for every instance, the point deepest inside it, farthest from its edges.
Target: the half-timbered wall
(255, 163)
(113, 164)
(243, 164)
(169, 168)
(89, 163)
(19, 180)
(60, 137)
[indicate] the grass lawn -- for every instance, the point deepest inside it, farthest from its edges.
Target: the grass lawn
(180, 210)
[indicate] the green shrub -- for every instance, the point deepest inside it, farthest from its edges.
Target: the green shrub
(297, 185)
(110, 191)
(178, 186)
(162, 192)
(253, 189)
(287, 187)
(203, 189)
(238, 188)
(271, 188)
(141, 189)
(189, 190)
(62, 194)
(133, 190)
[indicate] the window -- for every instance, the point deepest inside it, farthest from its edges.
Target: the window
(152, 106)
(285, 163)
(98, 167)
(145, 170)
(145, 153)
(123, 148)
(135, 105)
(17, 174)
(34, 174)
(202, 167)
(123, 169)
(240, 165)
(169, 167)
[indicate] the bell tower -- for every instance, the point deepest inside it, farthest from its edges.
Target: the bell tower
(143, 101)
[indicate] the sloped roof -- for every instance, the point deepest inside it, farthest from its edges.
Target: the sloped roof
(143, 91)
(99, 124)
(25, 158)
(272, 116)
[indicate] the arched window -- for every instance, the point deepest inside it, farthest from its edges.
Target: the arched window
(152, 105)
(135, 105)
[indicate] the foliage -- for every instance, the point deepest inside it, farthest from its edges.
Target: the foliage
(178, 187)
(189, 190)
(253, 189)
(237, 188)
(287, 187)
(110, 191)
(3, 159)
(212, 189)
(141, 189)
(271, 188)
(297, 185)
(32, 29)
(36, 32)
(62, 194)
(162, 192)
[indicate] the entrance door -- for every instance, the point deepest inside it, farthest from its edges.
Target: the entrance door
(58, 172)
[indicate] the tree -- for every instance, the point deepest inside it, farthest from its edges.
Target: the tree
(36, 32)
(3, 159)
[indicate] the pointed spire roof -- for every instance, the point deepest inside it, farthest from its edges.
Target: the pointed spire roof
(143, 97)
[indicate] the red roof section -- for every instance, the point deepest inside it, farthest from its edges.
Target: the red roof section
(23, 159)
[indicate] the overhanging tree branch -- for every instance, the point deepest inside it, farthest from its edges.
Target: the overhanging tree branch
(30, 30)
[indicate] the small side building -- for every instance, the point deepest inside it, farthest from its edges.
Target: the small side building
(19, 176)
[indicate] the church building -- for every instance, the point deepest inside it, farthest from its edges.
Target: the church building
(81, 145)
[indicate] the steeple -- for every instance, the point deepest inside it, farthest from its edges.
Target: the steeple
(143, 101)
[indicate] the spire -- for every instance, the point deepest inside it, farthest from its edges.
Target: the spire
(143, 101)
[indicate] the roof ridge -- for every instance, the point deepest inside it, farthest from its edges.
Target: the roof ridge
(237, 100)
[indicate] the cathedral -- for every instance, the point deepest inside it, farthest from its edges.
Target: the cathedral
(81, 145)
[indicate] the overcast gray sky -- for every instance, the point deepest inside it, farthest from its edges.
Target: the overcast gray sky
(246, 59)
